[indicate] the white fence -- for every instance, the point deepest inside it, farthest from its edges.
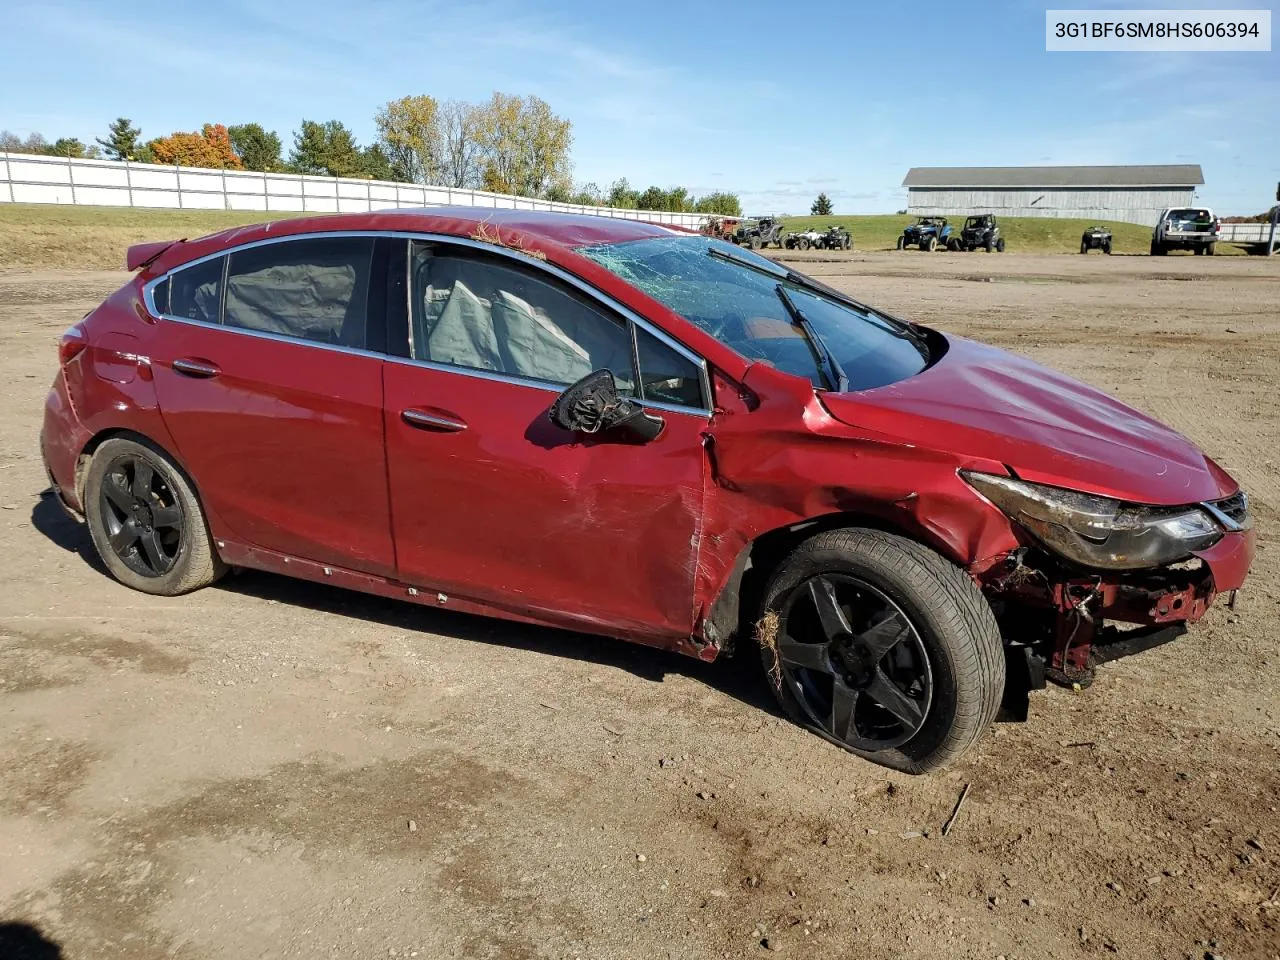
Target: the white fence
(28, 178)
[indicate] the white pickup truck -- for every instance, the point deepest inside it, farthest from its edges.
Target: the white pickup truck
(1185, 228)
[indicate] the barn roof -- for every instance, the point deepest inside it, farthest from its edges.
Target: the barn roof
(1137, 175)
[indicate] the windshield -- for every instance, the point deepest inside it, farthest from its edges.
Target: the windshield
(976, 222)
(741, 307)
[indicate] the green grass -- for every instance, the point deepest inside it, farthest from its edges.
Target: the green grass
(50, 235)
(57, 235)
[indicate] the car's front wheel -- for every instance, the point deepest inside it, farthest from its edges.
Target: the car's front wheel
(883, 647)
(146, 522)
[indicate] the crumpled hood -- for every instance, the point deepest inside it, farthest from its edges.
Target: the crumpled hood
(980, 401)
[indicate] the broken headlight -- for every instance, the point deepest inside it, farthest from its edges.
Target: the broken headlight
(1098, 531)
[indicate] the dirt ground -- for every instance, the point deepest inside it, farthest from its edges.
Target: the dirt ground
(276, 769)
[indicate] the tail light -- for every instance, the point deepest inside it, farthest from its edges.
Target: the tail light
(71, 344)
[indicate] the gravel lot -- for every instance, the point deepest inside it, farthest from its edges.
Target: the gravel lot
(278, 769)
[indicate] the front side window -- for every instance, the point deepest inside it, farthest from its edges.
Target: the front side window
(475, 311)
(314, 289)
(194, 293)
(741, 306)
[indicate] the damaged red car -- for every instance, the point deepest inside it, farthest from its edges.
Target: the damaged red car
(624, 429)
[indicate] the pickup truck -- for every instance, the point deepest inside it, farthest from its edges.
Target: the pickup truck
(1185, 228)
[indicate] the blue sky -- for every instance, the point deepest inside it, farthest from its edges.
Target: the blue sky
(775, 101)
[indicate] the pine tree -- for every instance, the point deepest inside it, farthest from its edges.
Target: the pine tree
(822, 206)
(122, 141)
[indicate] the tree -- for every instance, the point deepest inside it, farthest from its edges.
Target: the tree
(257, 148)
(71, 147)
(458, 128)
(375, 165)
(723, 204)
(822, 206)
(622, 196)
(524, 146)
(211, 147)
(409, 135)
(121, 142)
(326, 149)
(588, 195)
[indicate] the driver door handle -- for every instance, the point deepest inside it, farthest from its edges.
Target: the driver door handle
(200, 369)
(431, 421)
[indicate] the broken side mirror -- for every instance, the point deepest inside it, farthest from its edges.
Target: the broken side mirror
(593, 406)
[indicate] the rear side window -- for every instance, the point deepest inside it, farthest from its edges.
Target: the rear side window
(313, 289)
(160, 296)
(195, 292)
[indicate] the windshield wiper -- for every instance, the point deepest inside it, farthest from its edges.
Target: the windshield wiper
(892, 325)
(835, 374)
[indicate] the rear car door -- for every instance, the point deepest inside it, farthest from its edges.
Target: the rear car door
(271, 387)
(494, 503)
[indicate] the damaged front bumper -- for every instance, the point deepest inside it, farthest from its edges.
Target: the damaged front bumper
(1059, 624)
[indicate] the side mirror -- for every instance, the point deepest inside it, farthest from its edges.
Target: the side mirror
(592, 405)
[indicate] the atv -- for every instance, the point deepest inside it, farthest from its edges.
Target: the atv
(981, 231)
(837, 238)
(927, 233)
(804, 240)
(759, 232)
(1096, 238)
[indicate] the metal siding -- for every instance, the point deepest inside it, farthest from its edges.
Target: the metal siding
(1127, 205)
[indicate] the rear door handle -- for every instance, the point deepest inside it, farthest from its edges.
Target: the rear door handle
(431, 421)
(200, 369)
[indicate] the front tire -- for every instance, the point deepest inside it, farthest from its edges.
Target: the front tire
(146, 522)
(883, 647)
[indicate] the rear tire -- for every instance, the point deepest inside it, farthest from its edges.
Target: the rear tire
(917, 660)
(146, 521)
(988, 245)
(1106, 248)
(902, 243)
(1084, 247)
(1208, 250)
(1000, 245)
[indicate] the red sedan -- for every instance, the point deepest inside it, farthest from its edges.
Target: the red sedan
(624, 429)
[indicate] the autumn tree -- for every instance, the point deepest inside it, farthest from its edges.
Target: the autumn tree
(121, 141)
(409, 136)
(211, 147)
(822, 206)
(524, 146)
(257, 148)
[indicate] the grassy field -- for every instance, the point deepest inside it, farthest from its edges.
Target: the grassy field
(34, 235)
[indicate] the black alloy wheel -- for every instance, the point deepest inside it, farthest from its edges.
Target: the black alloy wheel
(855, 663)
(143, 518)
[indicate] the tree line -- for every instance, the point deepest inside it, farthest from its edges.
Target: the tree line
(507, 144)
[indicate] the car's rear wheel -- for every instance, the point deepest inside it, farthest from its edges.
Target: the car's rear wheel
(1084, 246)
(146, 522)
(882, 647)
(1000, 245)
(902, 242)
(1208, 250)
(1106, 248)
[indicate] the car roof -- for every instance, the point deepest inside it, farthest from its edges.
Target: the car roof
(530, 230)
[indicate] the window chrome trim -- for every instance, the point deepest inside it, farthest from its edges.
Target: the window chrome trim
(564, 276)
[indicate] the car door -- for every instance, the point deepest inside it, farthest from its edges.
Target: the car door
(494, 503)
(266, 382)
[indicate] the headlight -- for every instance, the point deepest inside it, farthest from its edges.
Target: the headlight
(1098, 531)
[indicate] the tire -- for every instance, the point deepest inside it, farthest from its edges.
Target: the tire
(902, 243)
(803, 243)
(988, 245)
(847, 243)
(186, 547)
(944, 625)
(1209, 249)
(1106, 248)
(754, 243)
(953, 245)
(1000, 245)
(1084, 247)
(930, 245)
